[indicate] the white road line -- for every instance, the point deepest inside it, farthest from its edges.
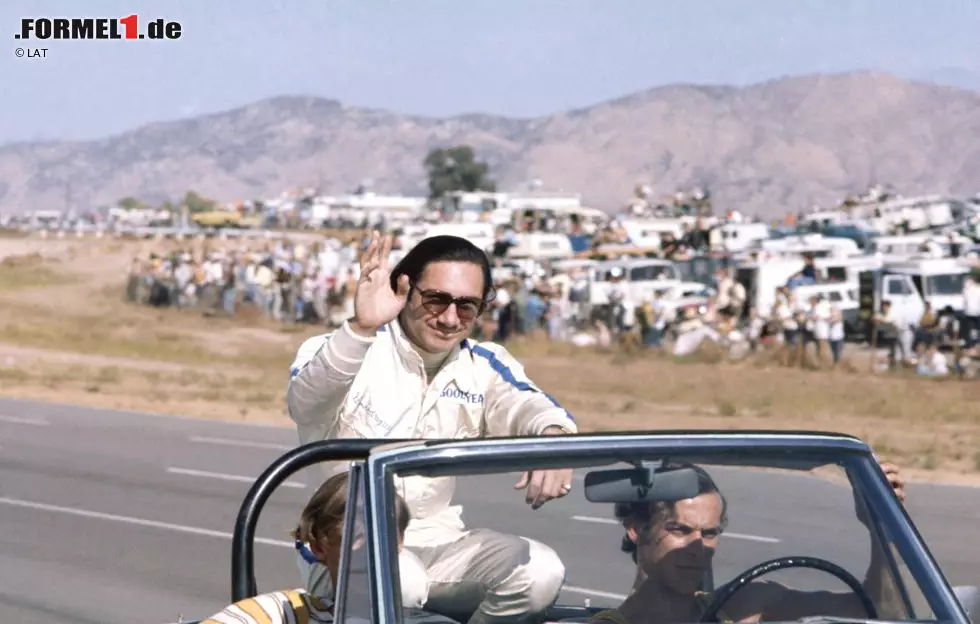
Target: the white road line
(187, 472)
(81, 411)
(242, 443)
(595, 520)
(166, 526)
(592, 592)
(180, 528)
(741, 536)
(18, 420)
(751, 538)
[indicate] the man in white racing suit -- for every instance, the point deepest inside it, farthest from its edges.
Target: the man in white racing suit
(403, 367)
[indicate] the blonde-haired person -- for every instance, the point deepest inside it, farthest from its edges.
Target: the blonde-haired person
(318, 544)
(318, 538)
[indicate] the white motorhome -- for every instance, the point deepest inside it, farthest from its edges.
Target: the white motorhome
(810, 244)
(911, 213)
(740, 236)
(478, 233)
(471, 207)
(541, 246)
(909, 284)
(918, 245)
(936, 280)
(761, 279)
(816, 221)
(647, 233)
(642, 277)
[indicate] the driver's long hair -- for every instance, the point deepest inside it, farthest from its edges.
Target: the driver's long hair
(650, 514)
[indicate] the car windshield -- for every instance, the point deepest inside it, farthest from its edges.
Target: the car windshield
(951, 284)
(771, 508)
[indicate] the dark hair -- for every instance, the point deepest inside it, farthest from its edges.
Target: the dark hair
(652, 513)
(444, 248)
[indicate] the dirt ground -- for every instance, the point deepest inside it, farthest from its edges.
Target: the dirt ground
(67, 335)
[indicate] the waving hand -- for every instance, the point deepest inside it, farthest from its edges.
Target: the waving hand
(375, 304)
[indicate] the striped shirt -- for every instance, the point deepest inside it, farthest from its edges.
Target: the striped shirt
(293, 606)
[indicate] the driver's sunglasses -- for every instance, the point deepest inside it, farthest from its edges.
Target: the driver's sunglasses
(437, 302)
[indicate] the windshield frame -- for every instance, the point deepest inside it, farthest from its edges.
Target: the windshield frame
(496, 455)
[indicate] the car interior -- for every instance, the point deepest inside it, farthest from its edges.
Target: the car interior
(639, 482)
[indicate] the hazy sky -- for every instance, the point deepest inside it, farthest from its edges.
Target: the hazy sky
(514, 57)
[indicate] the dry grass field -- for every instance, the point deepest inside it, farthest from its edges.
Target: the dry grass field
(67, 335)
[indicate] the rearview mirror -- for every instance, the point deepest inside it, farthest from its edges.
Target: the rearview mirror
(642, 484)
(969, 598)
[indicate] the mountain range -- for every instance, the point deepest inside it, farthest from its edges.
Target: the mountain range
(766, 149)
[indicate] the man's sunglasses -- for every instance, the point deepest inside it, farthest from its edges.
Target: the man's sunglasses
(437, 302)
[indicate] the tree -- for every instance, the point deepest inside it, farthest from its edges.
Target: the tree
(129, 203)
(195, 203)
(456, 169)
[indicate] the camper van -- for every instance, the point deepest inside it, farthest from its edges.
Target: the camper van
(541, 246)
(908, 285)
(480, 234)
(641, 276)
(817, 222)
(736, 237)
(811, 244)
(911, 214)
(838, 283)
(649, 232)
(920, 245)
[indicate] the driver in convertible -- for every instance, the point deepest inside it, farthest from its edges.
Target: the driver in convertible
(673, 545)
(403, 368)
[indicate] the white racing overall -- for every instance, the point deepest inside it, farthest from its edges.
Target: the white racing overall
(346, 386)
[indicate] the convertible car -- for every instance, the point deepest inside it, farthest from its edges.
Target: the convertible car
(812, 512)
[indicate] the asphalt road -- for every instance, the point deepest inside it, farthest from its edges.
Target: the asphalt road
(112, 517)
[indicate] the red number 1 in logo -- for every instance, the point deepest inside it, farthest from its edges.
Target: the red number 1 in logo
(130, 23)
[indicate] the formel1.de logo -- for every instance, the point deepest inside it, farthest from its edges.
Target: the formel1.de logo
(129, 27)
